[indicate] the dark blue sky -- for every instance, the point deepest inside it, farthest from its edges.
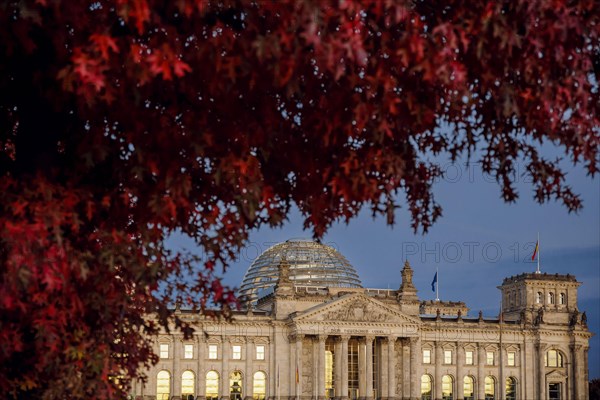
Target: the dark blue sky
(478, 241)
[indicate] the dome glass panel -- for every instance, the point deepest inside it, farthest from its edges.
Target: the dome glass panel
(311, 264)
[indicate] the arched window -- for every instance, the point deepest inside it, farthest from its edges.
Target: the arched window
(490, 388)
(511, 389)
(554, 359)
(235, 385)
(163, 385)
(259, 388)
(469, 388)
(426, 387)
(187, 385)
(551, 298)
(447, 387)
(538, 297)
(212, 385)
(562, 299)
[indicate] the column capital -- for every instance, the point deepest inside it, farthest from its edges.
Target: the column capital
(391, 338)
(369, 338)
(344, 338)
(576, 347)
(296, 337)
(249, 339)
(322, 338)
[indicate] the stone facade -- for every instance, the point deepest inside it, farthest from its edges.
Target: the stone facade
(345, 343)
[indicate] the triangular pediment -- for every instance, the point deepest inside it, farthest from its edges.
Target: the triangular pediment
(354, 308)
(556, 374)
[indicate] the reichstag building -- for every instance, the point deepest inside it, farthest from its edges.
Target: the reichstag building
(310, 331)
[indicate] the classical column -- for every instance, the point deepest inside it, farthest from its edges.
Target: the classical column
(176, 378)
(415, 357)
(344, 391)
(369, 366)
(406, 375)
(437, 382)
(480, 374)
(248, 372)
(585, 375)
(298, 365)
(541, 375)
(224, 376)
(201, 377)
(528, 387)
(321, 367)
(391, 367)
(362, 369)
(337, 364)
(460, 387)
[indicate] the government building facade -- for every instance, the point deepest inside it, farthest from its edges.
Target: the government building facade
(310, 331)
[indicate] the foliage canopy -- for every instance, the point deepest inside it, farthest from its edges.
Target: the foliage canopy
(124, 121)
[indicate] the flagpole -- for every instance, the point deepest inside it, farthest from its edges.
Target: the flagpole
(437, 285)
(538, 254)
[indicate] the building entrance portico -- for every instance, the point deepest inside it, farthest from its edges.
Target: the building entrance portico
(362, 352)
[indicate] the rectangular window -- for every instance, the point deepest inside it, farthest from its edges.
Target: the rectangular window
(447, 356)
(212, 352)
(236, 352)
(490, 358)
(188, 351)
(426, 356)
(260, 352)
(469, 357)
(511, 359)
(164, 351)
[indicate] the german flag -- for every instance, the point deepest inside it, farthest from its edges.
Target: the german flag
(537, 244)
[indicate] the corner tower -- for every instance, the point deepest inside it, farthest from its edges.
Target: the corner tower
(532, 297)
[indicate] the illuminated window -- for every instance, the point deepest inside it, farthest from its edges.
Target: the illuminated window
(236, 352)
(426, 387)
(562, 299)
(164, 351)
(260, 352)
(426, 356)
(212, 352)
(511, 389)
(187, 385)
(538, 297)
(447, 388)
(551, 298)
(490, 388)
(469, 357)
(447, 356)
(554, 359)
(511, 359)
(212, 385)
(163, 385)
(489, 360)
(469, 388)
(188, 351)
(259, 388)
(329, 348)
(235, 385)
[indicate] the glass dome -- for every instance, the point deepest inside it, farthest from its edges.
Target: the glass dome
(311, 264)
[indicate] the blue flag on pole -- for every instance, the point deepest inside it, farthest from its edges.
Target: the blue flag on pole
(434, 282)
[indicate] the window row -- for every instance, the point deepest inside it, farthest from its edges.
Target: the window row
(212, 384)
(213, 351)
(448, 388)
(470, 358)
(551, 299)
